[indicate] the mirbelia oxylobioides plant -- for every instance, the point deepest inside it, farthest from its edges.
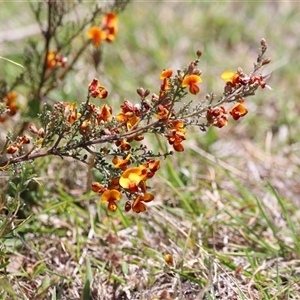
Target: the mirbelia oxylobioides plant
(114, 139)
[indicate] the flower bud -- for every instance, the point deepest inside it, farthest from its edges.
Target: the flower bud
(154, 97)
(141, 92)
(169, 260)
(127, 206)
(32, 128)
(197, 72)
(266, 61)
(191, 68)
(263, 42)
(240, 71)
(41, 133)
(147, 92)
(199, 53)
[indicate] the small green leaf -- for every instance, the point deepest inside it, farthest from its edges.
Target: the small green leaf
(6, 286)
(13, 185)
(88, 281)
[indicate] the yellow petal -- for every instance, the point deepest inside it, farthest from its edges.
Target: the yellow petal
(227, 76)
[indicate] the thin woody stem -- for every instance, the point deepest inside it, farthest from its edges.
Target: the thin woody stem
(61, 151)
(221, 101)
(47, 35)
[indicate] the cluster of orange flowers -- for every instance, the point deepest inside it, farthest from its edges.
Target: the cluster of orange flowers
(107, 31)
(191, 79)
(55, 59)
(132, 182)
(15, 147)
(175, 129)
(98, 115)
(217, 116)
(11, 105)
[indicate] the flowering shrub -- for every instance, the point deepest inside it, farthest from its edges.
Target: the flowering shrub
(73, 130)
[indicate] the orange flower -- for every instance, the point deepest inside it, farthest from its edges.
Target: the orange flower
(165, 84)
(176, 135)
(237, 111)
(129, 119)
(127, 107)
(162, 112)
(123, 144)
(178, 147)
(24, 140)
(98, 188)
(138, 205)
(175, 138)
(110, 24)
(11, 149)
(96, 34)
(111, 34)
(114, 184)
(11, 105)
(131, 178)
(105, 113)
(71, 112)
(110, 20)
(179, 126)
(230, 76)
(111, 196)
(217, 116)
(97, 90)
(122, 117)
(107, 32)
(85, 127)
(153, 166)
(166, 73)
(132, 121)
(221, 121)
(102, 92)
(10, 100)
(191, 81)
(55, 59)
(121, 163)
(51, 63)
